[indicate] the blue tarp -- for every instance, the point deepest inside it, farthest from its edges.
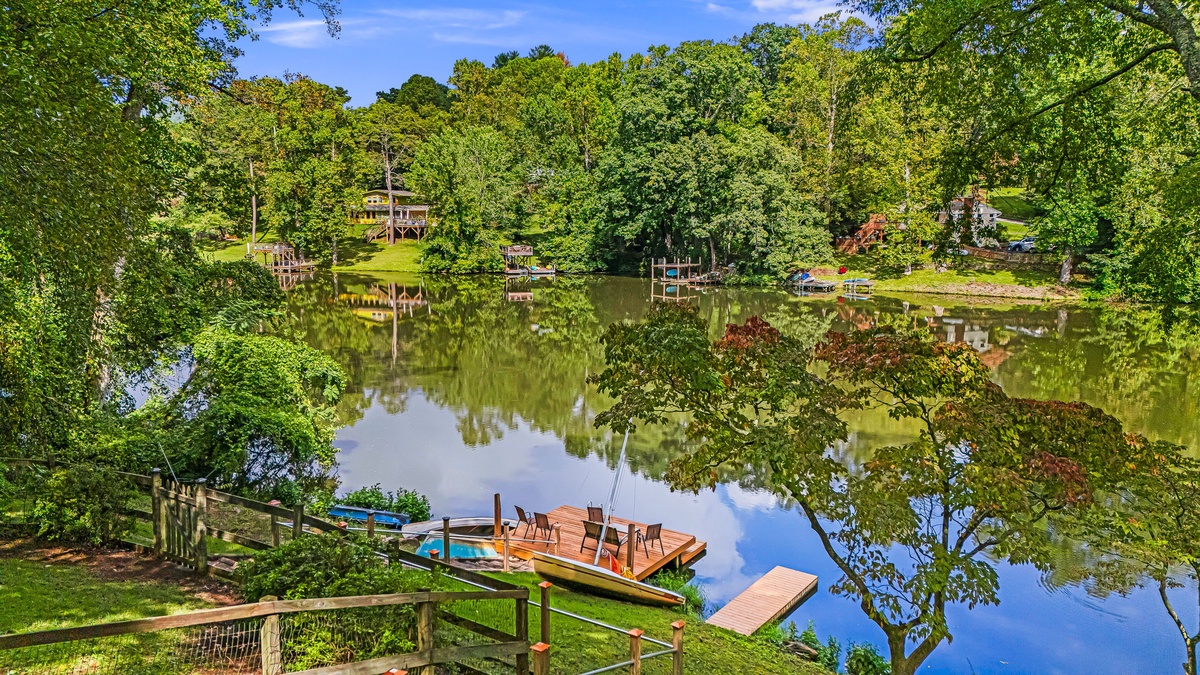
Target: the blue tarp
(381, 517)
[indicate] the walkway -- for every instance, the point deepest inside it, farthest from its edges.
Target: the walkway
(774, 596)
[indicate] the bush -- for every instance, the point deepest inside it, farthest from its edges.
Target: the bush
(328, 565)
(829, 655)
(83, 505)
(411, 502)
(331, 565)
(680, 581)
(863, 659)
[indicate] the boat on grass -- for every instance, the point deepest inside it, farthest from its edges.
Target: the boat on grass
(600, 581)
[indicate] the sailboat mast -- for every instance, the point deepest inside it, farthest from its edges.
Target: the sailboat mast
(612, 496)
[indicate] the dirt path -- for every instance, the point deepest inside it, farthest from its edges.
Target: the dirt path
(113, 564)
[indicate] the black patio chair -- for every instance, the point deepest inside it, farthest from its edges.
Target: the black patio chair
(653, 533)
(524, 518)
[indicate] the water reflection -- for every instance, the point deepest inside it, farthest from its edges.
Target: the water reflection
(465, 387)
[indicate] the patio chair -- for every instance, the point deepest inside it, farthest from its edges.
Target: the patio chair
(591, 530)
(653, 533)
(596, 513)
(541, 523)
(524, 518)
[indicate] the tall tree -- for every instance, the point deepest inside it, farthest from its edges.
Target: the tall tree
(919, 527)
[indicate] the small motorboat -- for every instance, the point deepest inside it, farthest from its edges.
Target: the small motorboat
(601, 581)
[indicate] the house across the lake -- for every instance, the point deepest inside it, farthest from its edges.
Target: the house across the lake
(411, 218)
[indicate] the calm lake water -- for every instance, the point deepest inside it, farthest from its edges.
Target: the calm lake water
(478, 385)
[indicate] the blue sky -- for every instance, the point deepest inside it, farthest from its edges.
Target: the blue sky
(383, 42)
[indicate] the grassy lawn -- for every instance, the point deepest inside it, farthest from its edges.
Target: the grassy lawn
(40, 596)
(356, 255)
(1012, 203)
(576, 646)
(1040, 284)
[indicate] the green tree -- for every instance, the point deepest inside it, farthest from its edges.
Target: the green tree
(470, 177)
(418, 92)
(920, 526)
(1068, 225)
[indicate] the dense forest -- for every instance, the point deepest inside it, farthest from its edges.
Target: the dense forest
(757, 151)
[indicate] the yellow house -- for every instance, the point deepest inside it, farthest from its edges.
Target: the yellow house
(411, 218)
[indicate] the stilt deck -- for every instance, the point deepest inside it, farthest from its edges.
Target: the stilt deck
(774, 596)
(677, 547)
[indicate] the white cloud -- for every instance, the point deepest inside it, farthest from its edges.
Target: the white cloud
(451, 17)
(302, 34)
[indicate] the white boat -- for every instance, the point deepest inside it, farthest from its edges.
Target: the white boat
(601, 581)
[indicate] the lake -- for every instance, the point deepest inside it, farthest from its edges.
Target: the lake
(477, 385)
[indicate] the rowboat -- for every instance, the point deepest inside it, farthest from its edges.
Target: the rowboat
(601, 581)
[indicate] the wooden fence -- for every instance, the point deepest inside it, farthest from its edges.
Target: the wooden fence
(270, 648)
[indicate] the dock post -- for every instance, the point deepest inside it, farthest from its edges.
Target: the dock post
(677, 645)
(541, 658)
(506, 553)
(156, 511)
(557, 537)
(370, 524)
(631, 544)
(635, 652)
(497, 518)
(446, 536)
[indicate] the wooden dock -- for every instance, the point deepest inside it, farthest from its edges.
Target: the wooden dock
(774, 596)
(678, 548)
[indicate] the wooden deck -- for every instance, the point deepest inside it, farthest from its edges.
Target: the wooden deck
(679, 547)
(774, 596)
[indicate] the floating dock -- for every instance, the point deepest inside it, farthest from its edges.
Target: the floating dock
(774, 596)
(678, 548)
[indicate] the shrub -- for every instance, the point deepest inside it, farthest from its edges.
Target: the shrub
(330, 565)
(327, 565)
(680, 581)
(83, 505)
(829, 655)
(415, 504)
(863, 659)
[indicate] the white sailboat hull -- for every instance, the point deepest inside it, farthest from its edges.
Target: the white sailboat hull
(601, 581)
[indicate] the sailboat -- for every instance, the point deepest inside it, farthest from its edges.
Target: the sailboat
(597, 579)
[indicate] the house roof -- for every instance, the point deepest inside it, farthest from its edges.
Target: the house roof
(393, 193)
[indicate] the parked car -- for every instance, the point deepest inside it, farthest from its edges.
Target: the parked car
(1023, 246)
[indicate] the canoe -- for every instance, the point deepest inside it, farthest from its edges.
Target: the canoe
(601, 581)
(359, 514)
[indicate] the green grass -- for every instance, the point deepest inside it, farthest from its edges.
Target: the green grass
(356, 255)
(40, 596)
(997, 282)
(1012, 203)
(576, 646)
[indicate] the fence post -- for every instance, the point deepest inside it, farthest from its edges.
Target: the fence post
(272, 659)
(274, 531)
(630, 545)
(157, 516)
(370, 524)
(522, 627)
(199, 541)
(541, 658)
(635, 652)
(677, 645)
(297, 520)
(545, 586)
(425, 612)
(446, 537)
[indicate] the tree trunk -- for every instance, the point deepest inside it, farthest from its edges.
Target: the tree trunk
(253, 211)
(335, 252)
(387, 174)
(1189, 666)
(1064, 273)
(712, 254)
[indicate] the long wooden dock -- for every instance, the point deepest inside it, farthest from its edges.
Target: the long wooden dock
(774, 596)
(677, 547)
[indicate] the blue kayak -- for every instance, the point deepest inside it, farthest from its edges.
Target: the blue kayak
(360, 514)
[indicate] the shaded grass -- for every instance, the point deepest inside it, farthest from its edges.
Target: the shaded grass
(38, 596)
(356, 255)
(578, 647)
(997, 281)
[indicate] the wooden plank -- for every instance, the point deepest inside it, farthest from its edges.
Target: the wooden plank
(772, 597)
